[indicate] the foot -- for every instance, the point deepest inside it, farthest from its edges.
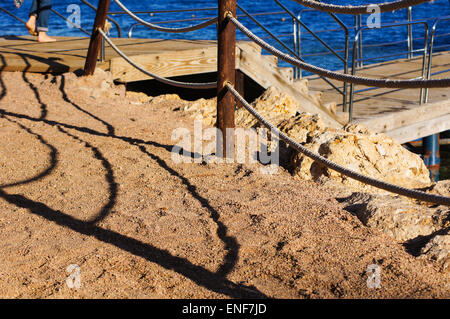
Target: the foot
(31, 26)
(43, 37)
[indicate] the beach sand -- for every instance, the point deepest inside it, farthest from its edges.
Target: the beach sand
(88, 180)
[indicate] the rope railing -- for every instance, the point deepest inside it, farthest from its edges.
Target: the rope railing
(414, 83)
(362, 9)
(163, 29)
(384, 83)
(412, 193)
(186, 85)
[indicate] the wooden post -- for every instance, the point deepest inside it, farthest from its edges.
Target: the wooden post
(96, 37)
(226, 55)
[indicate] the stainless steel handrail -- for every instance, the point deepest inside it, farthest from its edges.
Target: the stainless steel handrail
(430, 52)
(355, 58)
(297, 43)
(274, 37)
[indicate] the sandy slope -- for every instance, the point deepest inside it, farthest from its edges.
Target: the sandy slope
(90, 181)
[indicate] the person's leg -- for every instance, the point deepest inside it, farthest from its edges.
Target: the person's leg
(43, 19)
(31, 23)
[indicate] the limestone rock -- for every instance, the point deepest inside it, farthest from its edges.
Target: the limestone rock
(438, 250)
(165, 97)
(442, 188)
(100, 84)
(354, 147)
(273, 105)
(397, 217)
(204, 110)
(374, 155)
(138, 97)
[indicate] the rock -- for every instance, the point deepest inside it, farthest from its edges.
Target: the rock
(204, 110)
(138, 97)
(438, 250)
(100, 84)
(442, 188)
(273, 105)
(165, 97)
(374, 155)
(397, 217)
(354, 147)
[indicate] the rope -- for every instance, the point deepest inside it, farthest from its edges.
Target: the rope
(170, 30)
(384, 83)
(442, 200)
(186, 85)
(363, 9)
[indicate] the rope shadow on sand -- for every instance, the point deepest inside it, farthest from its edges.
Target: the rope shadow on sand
(53, 154)
(198, 274)
(214, 281)
(231, 245)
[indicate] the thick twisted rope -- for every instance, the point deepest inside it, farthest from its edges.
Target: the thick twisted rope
(384, 83)
(186, 85)
(442, 200)
(169, 30)
(384, 7)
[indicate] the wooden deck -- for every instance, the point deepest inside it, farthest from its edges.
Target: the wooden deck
(396, 112)
(167, 58)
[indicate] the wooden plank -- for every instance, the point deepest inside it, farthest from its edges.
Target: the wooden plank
(420, 129)
(169, 64)
(382, 101)
(406, 118)
(254, 65)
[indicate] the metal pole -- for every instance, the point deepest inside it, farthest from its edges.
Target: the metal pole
(95, 43)
(431, 155)
(410, 34)
(226, 55)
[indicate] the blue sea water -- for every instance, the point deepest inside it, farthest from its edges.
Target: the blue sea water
(280, 25)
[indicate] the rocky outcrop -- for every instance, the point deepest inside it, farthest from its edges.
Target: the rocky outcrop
(438, 250)
(374, 155)
(398, 217)
(273, 105)
(354, 147)
(100, 84)
(203, 110)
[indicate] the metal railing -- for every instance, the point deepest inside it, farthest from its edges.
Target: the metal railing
(297, 20)
(343, 55)
(357, 58)
(432, 48)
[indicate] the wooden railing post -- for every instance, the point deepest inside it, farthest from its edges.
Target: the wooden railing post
(226, 36)
(95, 43)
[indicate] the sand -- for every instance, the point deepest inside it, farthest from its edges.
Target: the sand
(89, 181)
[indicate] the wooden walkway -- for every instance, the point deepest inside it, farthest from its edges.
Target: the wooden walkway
(396, 112)
(167, 58)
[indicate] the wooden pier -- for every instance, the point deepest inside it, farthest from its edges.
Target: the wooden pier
(167, 58)
(396, 112)
(392, 111)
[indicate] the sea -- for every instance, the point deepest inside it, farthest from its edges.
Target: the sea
(280, 25)
(377, 43)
